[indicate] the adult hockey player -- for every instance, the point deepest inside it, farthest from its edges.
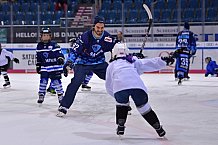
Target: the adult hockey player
(5, 58)
(49, 64)
(185, 49)
(211, 68)
(85, 86)
(89, 57)
(123, 80)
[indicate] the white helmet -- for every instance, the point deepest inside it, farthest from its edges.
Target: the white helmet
(120, 50)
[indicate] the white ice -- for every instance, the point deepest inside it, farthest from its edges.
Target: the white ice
(189, 114)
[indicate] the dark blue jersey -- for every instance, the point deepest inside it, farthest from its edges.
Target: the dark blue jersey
(211, 68)
(89, 50)
(182, 60)
(47, 55)
(186, 39)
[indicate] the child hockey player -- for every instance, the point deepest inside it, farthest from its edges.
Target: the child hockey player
(123, 80)
(5, 58)
(49, 65)
(212, 67)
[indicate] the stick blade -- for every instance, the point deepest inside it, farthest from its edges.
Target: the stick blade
(148, 11)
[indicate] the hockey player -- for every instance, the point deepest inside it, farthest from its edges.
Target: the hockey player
(88, 56)
(49, 65)
(185, 49)
(88, 76)
(212, 67)
(123, 80)
(5, 58)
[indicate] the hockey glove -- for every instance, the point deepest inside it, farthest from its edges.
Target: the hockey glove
(67, 66)
(169, 60)
(60, 60)
(139, 55)
(16, 60)
(38, 68)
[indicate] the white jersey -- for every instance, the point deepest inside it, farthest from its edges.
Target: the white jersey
(3, 58)
(122, 75)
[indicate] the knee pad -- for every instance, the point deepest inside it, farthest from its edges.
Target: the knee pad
(143, 109)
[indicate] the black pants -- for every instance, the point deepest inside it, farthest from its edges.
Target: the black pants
(80, 72)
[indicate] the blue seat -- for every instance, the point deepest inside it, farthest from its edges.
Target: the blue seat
(16, 7)
(33, 7)
(198, 15)
(44, 6)
(165, 16)
(25, 7)
(5, 7)
(156, 16)
(132, 17)
(188, 14)
(211, 14)
(58, 15)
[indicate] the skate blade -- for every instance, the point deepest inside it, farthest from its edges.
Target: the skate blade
(6, 87)
(60, 114)
(84, 89)
(39, 104)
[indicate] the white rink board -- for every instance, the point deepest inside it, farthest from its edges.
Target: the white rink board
(151, 50)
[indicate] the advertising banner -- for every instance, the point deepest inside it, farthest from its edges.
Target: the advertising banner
(30, 35)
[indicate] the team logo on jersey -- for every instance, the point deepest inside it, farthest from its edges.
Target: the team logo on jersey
(50, 47)
(108, 39)
(45, 54)
(96, 47)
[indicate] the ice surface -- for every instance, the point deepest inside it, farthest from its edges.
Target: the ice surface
(189, 114)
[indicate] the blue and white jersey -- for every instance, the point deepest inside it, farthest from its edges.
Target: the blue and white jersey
(182, 60)
(47, 55)
(89, 50)
(186, 39)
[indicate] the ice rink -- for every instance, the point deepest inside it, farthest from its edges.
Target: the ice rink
(189, 114)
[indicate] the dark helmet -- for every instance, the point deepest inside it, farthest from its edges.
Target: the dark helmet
(98, 19)
(208, 58)
(186, 25)
(45, 31)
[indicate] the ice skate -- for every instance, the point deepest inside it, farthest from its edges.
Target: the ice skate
(180, 82)
(41, 99)
(7, 85)
(161, 132)
(120, 130)
(86, 87)
(187, 78)
(62, 111)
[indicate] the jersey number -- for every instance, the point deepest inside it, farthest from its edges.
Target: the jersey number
(184, 61)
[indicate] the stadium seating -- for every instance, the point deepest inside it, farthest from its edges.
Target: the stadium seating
(164, 11)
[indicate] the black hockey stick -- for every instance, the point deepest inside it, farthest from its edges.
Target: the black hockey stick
(150, 20)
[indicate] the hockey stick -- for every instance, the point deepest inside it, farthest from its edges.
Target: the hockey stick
(150, 20)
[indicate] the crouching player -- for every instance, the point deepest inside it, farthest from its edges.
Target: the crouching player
(212, 67)
(123, 80)
(49, 65)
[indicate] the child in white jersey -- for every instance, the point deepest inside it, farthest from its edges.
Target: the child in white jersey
(123, 80)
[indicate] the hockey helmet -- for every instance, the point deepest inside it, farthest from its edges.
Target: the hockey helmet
(45, 31)
(120, 50)
(207, 59)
